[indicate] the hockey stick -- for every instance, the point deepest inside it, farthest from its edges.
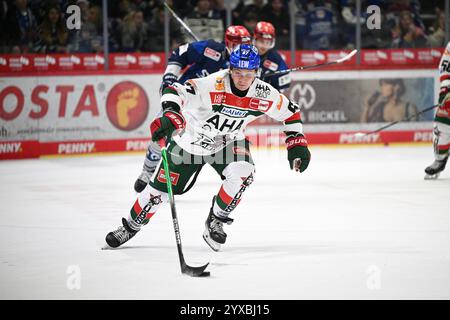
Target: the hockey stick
(185, 26)
(362, 134)
(345, 58)
(191, 271)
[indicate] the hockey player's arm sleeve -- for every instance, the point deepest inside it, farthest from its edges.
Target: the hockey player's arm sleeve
(178, 60)
(444, 92)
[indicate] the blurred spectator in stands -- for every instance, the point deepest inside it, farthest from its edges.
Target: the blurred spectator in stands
(218, 6)
(204, 22)
(156, 32)
(134, 32)
(146, 7)
(53, 34)
(436, 38)
(370, 38)
(119, 10)
(244, 8)
(90, 37)
(317, 26)
(386, 104)
(3, 10)
(407, 34)
(21, 27)
(397, 7)
(277, 13)
(250, 20)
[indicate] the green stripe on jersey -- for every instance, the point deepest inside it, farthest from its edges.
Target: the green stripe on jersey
(442, 120)
(170, 90)
(293, 121)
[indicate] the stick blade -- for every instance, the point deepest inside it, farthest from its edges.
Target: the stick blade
(195, 271)
(351, 54)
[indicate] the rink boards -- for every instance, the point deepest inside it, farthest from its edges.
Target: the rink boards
(61, 115)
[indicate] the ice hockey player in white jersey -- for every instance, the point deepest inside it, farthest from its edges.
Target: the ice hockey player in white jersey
(441, 133)
(206, 118)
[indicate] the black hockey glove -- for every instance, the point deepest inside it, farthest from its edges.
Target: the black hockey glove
(167, 80)
(298, 153)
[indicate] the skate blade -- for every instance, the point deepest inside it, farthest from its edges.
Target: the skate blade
(431, 176)
(214, 245)
(107, 247)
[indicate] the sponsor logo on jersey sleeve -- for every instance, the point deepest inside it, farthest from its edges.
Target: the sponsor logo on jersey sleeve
(270, 65)
(260, 104)
(217, 97)
(212, 54)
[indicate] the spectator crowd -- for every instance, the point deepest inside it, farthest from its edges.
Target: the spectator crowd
(41, 26)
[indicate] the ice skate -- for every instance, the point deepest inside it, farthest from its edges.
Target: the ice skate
(122, 234)
(433, 171)
(214, 234)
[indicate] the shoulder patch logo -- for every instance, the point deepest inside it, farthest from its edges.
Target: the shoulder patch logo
(212, 54)
(262, 90)
(260, 105)
(270, 65)
(219, 84)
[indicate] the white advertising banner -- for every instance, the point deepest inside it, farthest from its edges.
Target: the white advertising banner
(63, 108)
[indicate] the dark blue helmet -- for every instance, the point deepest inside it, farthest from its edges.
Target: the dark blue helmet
(245, 56)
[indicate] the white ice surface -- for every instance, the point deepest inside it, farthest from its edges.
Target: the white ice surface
(360, 223)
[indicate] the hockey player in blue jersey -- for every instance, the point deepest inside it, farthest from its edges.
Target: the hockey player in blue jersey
(190, 61)
(271, 60)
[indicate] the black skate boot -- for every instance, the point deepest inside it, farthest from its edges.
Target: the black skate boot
(143, 180)
(214, 234)
(118, 237)
(433, 171)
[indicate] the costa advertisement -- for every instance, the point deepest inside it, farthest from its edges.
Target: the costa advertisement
(89, 114)
(74, 109)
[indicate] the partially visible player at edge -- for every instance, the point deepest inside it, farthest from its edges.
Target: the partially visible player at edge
(206, 118)
(441, 133)
(190, 61)
(271, 60)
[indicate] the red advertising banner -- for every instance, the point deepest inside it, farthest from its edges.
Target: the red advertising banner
(137, 61)
(156, 61)
(30, 63)
(377, 59)
(19, 149)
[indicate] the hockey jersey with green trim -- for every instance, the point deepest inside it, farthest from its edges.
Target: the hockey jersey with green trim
(443, 112)
(215, 116)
